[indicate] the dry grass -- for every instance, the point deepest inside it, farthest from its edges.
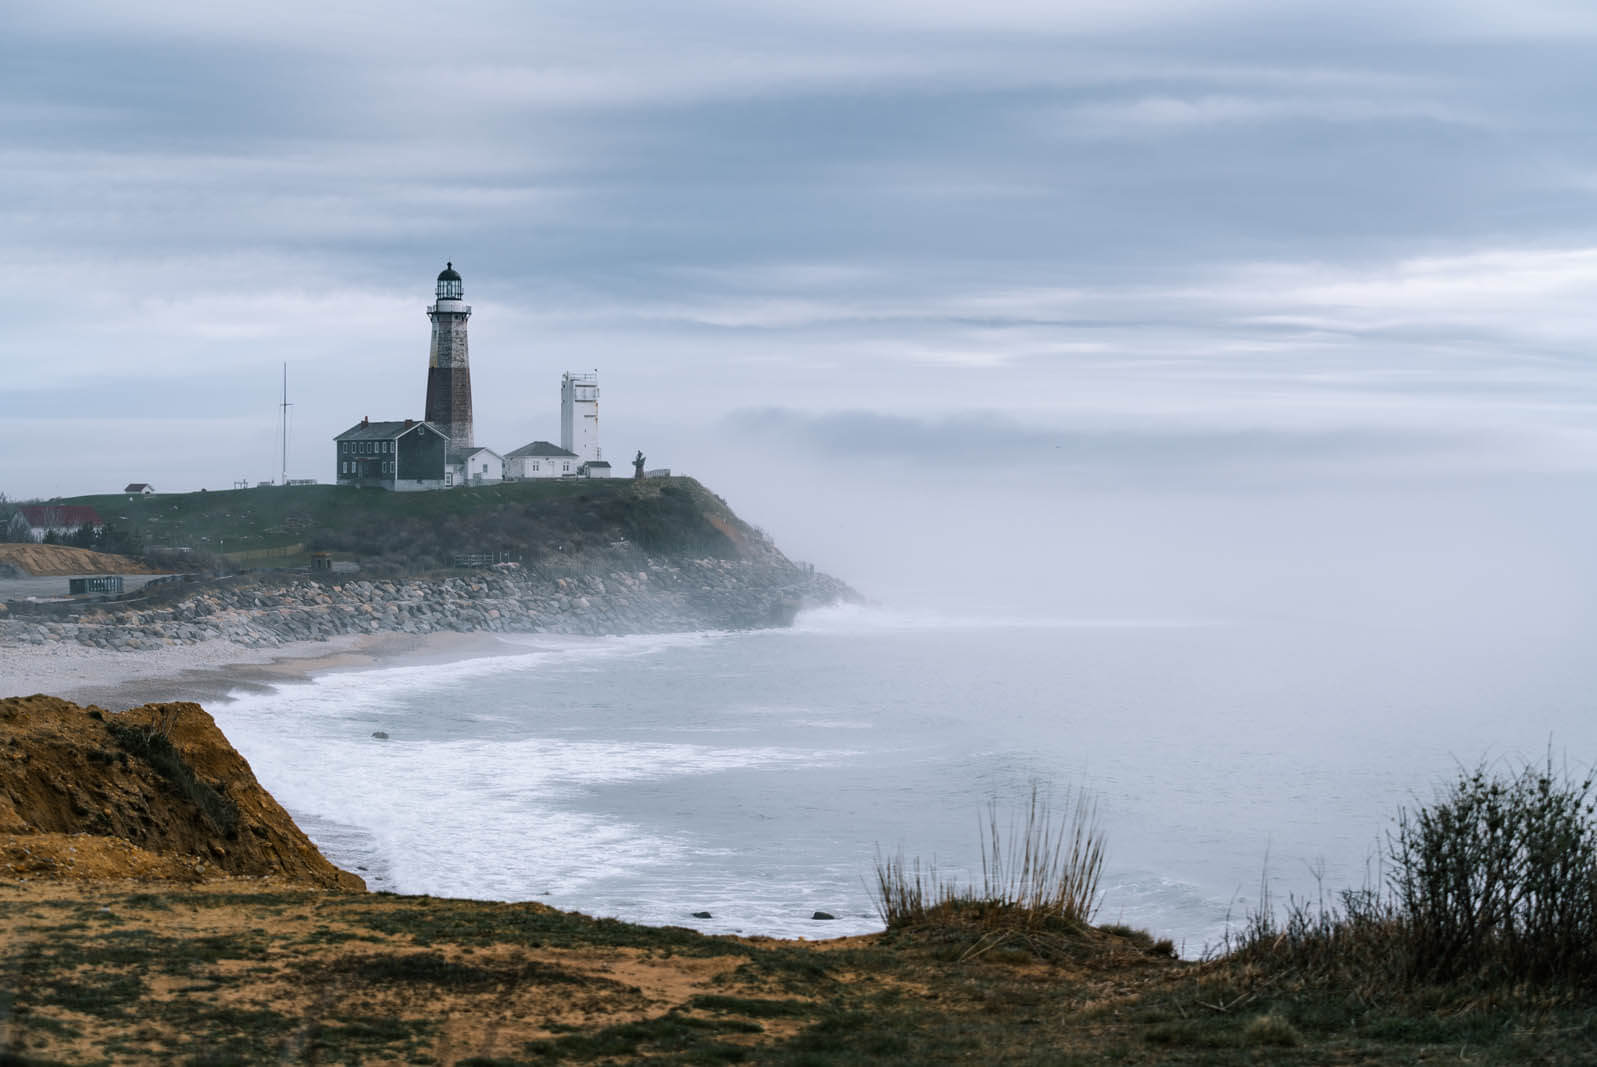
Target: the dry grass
(1044, 869)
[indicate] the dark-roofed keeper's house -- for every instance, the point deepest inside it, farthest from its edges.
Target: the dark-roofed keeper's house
(402, 456)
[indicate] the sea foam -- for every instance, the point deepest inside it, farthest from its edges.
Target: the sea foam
(467, 796)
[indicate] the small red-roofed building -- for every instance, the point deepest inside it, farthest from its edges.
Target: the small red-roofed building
(58, 519)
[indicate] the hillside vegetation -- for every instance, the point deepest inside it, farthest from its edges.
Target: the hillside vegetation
(533, 521)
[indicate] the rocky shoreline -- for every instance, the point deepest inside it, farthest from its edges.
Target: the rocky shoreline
(262, 612)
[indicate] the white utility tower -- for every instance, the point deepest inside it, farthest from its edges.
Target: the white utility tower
(579, 415)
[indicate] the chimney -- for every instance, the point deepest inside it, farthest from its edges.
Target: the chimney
(409, 423)
(364, 421)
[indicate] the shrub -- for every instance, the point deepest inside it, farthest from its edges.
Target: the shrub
(1044, 871)
(1494, 883)
(1498, 876)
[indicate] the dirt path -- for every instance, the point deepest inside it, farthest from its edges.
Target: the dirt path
(50, 560)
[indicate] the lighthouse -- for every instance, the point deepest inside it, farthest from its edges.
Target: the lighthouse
(579, 415)
(448, 364)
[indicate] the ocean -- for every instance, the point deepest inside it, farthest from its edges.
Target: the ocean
(756, 776)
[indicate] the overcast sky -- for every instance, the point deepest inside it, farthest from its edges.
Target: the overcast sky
(1106, 239)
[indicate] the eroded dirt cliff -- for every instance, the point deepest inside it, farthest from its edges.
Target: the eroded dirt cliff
(153, 792)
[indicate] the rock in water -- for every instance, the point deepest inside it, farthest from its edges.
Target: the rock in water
(823, 915)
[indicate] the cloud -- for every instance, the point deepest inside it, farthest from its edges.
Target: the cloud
(1030, 16)
(1242, 214)
(1141, 115)
(1122, 453)
(1535, 300)
(1522, 301)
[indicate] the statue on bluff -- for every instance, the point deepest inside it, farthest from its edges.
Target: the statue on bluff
(637, 467)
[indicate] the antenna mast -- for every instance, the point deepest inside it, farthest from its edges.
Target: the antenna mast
(284, 407)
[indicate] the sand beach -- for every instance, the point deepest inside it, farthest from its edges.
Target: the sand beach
(208, 671)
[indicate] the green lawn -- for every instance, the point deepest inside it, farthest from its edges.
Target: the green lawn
(274, 516)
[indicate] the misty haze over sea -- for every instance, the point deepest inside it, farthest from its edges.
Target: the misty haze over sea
(1242, 679)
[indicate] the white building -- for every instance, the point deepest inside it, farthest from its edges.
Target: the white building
(474, 466)
(541, 459)
(579, 415)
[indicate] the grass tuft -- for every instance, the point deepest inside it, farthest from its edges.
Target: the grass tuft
(1043, 871)
(1272, 1031)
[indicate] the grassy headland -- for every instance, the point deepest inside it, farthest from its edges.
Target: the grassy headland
(276, 526)
(579, 557)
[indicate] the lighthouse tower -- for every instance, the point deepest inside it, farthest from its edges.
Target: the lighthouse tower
(449, 365)
(579, 415)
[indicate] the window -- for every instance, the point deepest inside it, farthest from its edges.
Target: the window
(534, 464)
(565, 466)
